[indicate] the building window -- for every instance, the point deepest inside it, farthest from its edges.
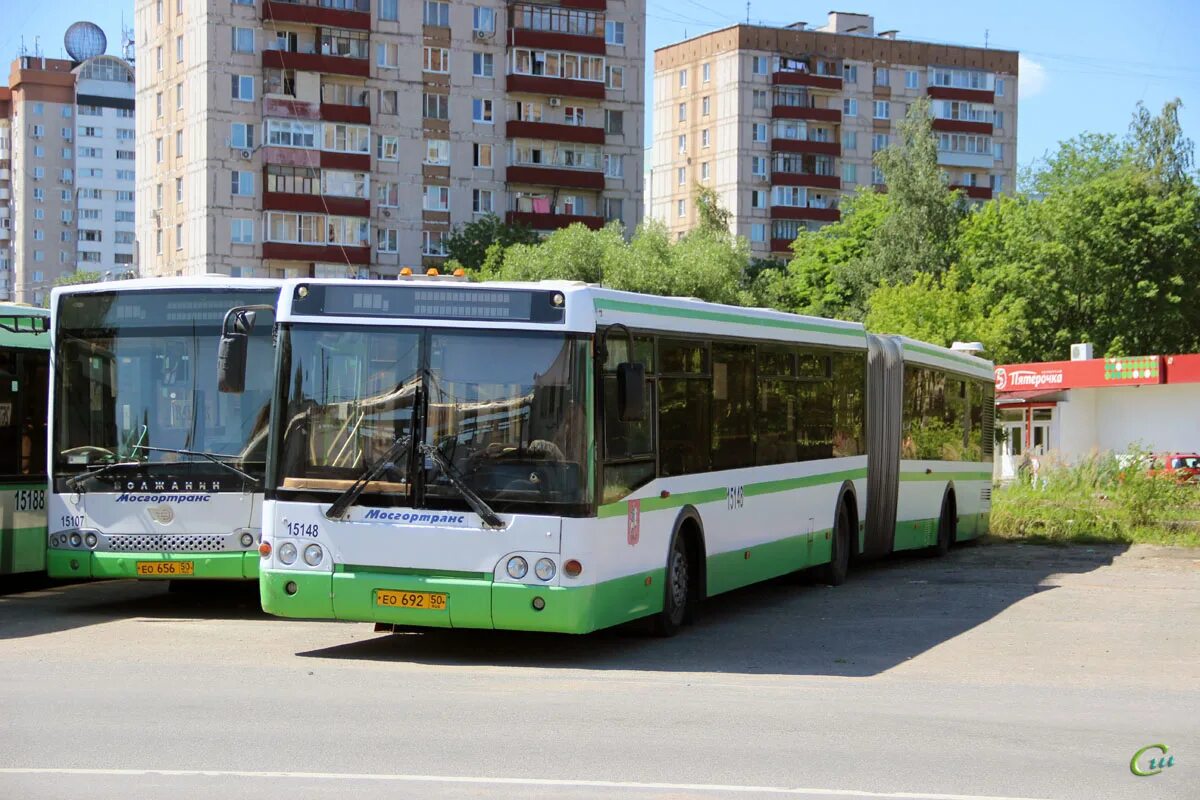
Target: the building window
(436, 106)
(849, 173)
(759, 132)
(388, 101)
(760, 99)
(850, 140)
(759, 65)
(999, 87)
(705, 105)
(340, 138)
(481, 110)
(850, 107)
(705, 137)
(882, 76)
(179, 236)
(681, 208)
(614, 33)
(683, 143)
(158, 105)
(482, 201)
(879, 141)
(850, 73)
(683, 79)
(483, 65)
(389, 10)
(437, 59)
(614, 77)
(876, 176)
(683, 112)
(242, 183)
(437, 198)
(704, 171)
(178, 191)
(705, 72)
(178, 49)
(681, 175)
(241, 231)
(387, 55)
(158, 150)
(241, 134)
(998, 120)
(482, 155)
(758, 232)
(432, 244)
(437, 14)
(574, 115)
(290, 133)
(614, 165)
(485, 20)
(997, 183)
(179, 94)
(758, 198)
(158, 58)
(997, 151)
(387, 240)
(614, 121)
(241, 86)
(437, 152)
(912, 79)
(883, 109)
(758, 166)
(243, 40)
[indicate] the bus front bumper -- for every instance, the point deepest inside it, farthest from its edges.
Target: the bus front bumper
(101, 564)
(472, 602)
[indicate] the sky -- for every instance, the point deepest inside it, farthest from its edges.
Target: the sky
(1084, 65)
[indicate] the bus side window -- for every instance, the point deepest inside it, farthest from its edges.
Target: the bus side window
(629, 447)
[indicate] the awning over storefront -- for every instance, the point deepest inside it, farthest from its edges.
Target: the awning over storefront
(1031, 396)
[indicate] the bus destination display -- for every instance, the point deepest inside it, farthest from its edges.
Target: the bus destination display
(480, 305)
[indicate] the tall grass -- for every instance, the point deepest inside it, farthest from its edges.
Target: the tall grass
(1101, 498)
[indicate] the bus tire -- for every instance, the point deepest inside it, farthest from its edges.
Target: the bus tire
(947, 530)
(834, 573)
(678, 591)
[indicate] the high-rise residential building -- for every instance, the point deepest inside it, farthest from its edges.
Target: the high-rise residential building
(783, 122)
(66, 172)
(348, 137)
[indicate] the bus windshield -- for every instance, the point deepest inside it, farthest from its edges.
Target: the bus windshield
(506, 408)
(136, 388)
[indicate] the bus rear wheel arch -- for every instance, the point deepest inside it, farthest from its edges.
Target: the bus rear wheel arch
(947, 528)
(684, 576)
(844, 538)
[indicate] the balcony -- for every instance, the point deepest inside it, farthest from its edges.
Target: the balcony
(586, 5)
(953, 158)
(318, 62)
(806, 146)
(334, 112)
(359, 162)
(328, 253)
(806, 212)
(806, 179)
(807, 112)
(781, 246)
(831, 83)
(954, 93)
(317, 204)
(553, 132)
(962, 126)
(553, 40)
(975, 192)
(552, 222)
(556, 176)
(562, 87)
(316, 12)
(275, 105)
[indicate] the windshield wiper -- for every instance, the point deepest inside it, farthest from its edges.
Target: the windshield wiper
(346, 499)
(213, 457)
(79, 477)
(456, 479)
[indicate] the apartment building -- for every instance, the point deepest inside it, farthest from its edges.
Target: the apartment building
(784, 122)
(348, 137)
(66, 172)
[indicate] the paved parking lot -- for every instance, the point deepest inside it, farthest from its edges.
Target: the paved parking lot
(1000, 671)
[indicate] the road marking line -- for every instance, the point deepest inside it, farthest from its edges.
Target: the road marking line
(553, 782)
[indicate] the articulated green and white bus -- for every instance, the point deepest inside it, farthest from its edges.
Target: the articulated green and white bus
(155, 473)
(563, 457)
(24, 366)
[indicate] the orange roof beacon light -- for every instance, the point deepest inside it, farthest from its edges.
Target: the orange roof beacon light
(432, 272)
(406, 272)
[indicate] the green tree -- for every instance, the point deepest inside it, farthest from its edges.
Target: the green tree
(78, 277)
(1159, 146)
(714, 217)
(468, 245)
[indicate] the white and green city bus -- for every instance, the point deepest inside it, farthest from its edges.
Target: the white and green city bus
(24, 366)
(563, 457)
(155, 473)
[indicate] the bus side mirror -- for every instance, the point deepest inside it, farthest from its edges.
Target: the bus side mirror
(631, 392)
(231, 352)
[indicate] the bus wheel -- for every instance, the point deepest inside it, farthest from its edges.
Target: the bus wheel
(834, 573)
(677, 593)
(947, 526)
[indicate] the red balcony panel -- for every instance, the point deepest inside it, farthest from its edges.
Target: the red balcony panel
(360, 115)
(807, 112)
(292, 157)
(551, 176)
(566, 87)
(800, 146)
(589, 5)
(781, 246)
(317, 204)
(817, 214)
(296, 109)
(549, 131)
(962, 126)
(806, 179)
(831, 82)
(971, 95)
(316, 62)
(313, 14)
(551, 40)
(552, 222)
(975, 192)
(355, 161)
(329, 253)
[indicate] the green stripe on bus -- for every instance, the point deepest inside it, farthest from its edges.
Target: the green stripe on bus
(945, 475)
(725, 316)
(620, 508)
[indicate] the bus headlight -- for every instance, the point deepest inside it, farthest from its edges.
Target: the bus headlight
(76, 540)
(54, 541)
(544, 569)
(312, 555)
(247, 539)
(517, 567)
(287, 553)
(89, 539)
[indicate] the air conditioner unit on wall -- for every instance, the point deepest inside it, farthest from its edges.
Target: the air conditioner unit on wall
(555, 101)
(482, 34)
(246, 154)
(1081, 351)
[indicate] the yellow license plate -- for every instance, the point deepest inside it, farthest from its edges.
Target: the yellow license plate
(154, 569)
(423, 601)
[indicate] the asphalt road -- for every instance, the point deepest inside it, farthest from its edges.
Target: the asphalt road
(999, 671)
